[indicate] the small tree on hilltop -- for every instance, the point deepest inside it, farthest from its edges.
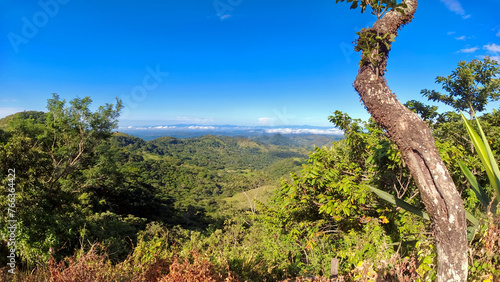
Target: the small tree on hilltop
(472, 84)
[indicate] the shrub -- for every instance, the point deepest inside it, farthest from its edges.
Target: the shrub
(196, 268)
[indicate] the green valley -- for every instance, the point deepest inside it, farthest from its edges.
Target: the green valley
(92, 202)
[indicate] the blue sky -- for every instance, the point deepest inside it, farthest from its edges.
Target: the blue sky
(241, 62)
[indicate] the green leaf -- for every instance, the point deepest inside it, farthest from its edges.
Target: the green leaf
(398, 202)
(495, 180)
(480, 193)
(472, 219)
(485, 155)
(427, 260)
(480, 147)
(471, 232)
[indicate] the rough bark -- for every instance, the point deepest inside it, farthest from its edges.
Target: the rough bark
(417, 146)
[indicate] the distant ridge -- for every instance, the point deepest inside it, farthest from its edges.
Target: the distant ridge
(195, 130)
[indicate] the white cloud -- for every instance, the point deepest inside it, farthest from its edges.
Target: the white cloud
(163, 127)
(496, 58)
(255, 129)
(173, 127)
(498, 33)
(266, 120)
(332, 131)
(461, 37)
(492, 47)
(469, 50)
(450, 32)
(198, 127)
(456, 7)
(194, 120)
(494, 51)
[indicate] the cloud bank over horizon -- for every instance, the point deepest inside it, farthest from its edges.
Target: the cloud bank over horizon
(286, 130)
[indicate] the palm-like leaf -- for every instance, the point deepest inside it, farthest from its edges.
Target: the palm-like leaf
(476, 187)
(402, 204)
(486, 156)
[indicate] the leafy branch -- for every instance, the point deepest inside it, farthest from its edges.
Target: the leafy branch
(374, 46)
(379, 7)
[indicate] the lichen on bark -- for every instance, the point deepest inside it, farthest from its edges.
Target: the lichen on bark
(416, 143)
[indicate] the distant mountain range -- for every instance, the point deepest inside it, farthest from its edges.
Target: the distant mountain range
(195, 130)
(290, 136)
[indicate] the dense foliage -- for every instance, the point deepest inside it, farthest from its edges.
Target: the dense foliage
(110, 206)
(77, 182)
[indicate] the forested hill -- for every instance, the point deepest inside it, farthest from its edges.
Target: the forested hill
(122, 182)
(197, 173)
(211, 152)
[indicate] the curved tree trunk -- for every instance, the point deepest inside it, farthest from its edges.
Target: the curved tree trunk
(416, 143)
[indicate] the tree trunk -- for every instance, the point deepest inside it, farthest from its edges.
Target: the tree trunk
(417, 146)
